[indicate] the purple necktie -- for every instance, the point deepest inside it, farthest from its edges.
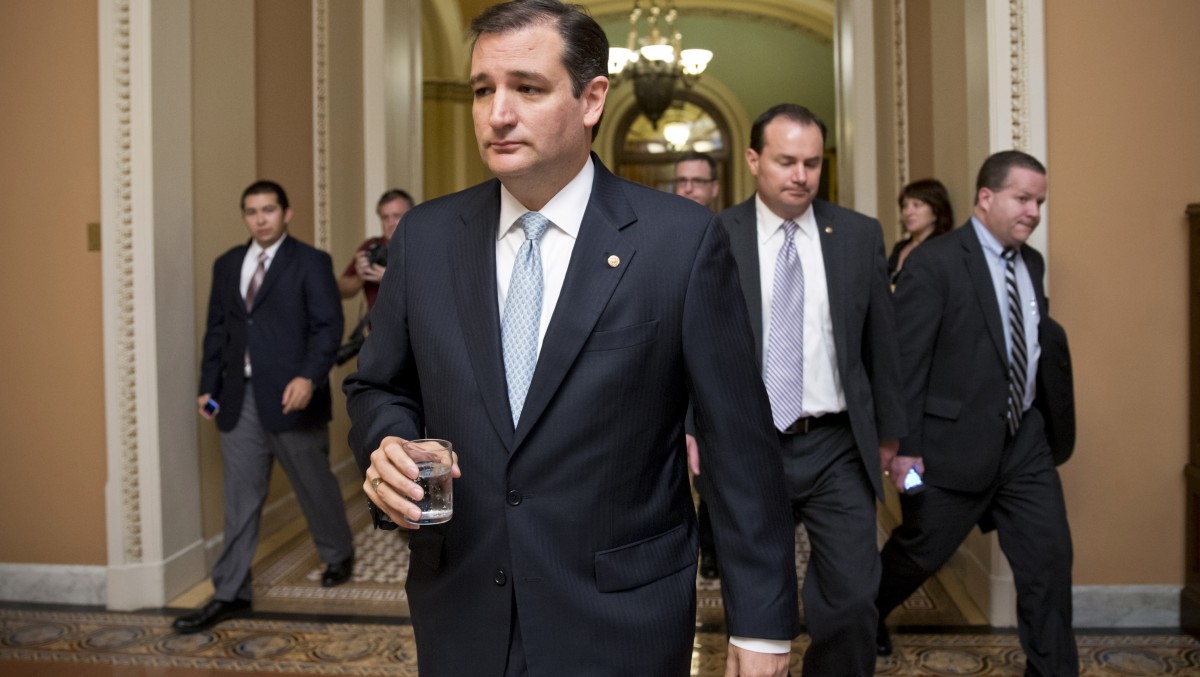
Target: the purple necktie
(785, 342)
(251, 291)
(255, 282)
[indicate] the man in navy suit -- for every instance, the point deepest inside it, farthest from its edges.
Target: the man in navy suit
(553, 325)
(976, 347)
(815, 281)
(274, 325)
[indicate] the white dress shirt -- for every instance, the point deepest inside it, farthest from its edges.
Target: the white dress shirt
(565, 212)
(822, 385)
(993, 252)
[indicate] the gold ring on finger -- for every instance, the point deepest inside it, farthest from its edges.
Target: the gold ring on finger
(375, 484)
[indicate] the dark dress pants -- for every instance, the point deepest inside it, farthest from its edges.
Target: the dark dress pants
(830, 489)
(1026, 506)
(248, 452)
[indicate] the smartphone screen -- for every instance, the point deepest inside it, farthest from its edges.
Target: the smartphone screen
(913, 482)
(211, 407)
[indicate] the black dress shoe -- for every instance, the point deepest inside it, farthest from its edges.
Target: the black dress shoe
(708, 566)
(336, 574)
(883, 640)
(210, 614)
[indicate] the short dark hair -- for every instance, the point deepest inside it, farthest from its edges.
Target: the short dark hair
(994, 171)
(693, 155)
(585, 45)
(932, 193)
(264, 187)
(395, 194)
(791, 111)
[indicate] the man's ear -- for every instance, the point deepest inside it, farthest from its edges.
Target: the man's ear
(594, 95)
(752, 161)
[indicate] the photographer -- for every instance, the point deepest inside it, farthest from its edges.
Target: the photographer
(366, 270)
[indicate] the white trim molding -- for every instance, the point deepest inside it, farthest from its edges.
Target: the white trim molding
(322, 237)
(152, 498)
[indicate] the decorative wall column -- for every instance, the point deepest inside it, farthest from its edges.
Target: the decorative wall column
(392, 90)
(854, 72)
(155, 547)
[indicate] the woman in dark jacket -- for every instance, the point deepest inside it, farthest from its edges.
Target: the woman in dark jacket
(925, 212)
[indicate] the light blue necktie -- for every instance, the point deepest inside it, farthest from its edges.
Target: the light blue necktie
(523, 313)
(785, 341)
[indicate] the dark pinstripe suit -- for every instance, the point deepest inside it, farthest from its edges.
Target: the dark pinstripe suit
(581, 516)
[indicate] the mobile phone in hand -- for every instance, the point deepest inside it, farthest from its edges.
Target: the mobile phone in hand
(913, 484)
(211, 408)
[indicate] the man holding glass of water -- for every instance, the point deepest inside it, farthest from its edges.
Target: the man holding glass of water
(552, 325)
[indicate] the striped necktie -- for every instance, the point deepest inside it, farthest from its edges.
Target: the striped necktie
(785, 340)
(1018, 358)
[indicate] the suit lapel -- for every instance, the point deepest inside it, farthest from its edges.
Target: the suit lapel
(833, 252)
(985, 291)
(586, 290)
(474, 284)
(741, 223)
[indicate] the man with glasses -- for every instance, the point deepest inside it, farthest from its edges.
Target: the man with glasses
(696, 178)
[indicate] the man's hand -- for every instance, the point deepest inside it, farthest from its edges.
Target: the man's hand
(693, 453)
(297, 394)
(744, 663)
(391, 482)
(887, 451)
(901, 466)
(200, 402)
(369, 272)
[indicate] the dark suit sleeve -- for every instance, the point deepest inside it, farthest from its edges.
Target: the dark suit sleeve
(748, 502)
(880, 354)
(919, 307)
(325, 322)
(215, 338)
(384, 395)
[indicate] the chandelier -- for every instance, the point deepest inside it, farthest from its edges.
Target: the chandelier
(655, 63)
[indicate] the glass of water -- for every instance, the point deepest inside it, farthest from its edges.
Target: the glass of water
(433, 459)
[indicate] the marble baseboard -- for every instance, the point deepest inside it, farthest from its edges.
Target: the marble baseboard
(53, 584)
(1126, 606)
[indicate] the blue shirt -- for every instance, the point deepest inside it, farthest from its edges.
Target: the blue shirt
(993, 251)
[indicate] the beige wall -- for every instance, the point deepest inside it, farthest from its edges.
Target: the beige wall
(1124, 161)
(52, 432)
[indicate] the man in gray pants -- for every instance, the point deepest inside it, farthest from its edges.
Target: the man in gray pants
(274, 325)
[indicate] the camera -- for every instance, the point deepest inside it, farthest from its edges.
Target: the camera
(377, 254)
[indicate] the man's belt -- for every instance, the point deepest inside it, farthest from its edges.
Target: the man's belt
(806, 424)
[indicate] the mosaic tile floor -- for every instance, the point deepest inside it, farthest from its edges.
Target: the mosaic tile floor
(143, 642)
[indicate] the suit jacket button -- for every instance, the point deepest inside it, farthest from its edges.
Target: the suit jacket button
(249, 321)
(513, 498)
(500, 578)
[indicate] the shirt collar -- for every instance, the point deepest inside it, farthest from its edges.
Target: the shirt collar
(255, 248)
(986, 239)
(563, 210)
(769, 221)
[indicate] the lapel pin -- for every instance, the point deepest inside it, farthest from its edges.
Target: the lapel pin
(614, 261)
(829, 229)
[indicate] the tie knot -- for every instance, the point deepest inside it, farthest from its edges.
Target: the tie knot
(262, 256)
(534, 225)
(1009, 254)
(790, 228)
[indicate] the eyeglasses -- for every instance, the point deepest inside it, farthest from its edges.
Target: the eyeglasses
(698, 183)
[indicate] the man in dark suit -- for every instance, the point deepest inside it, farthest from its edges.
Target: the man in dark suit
(554, 324)
(274, 325)
(972, 323)
(815, 281)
